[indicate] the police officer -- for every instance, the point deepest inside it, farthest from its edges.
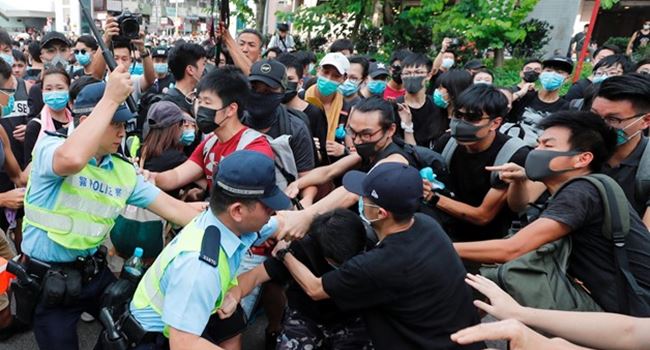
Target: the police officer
(164, 81)
(77, 187)
(179, 296)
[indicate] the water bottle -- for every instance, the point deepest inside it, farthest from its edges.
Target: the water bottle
(428, 174)
(133, 268)
(339, 134)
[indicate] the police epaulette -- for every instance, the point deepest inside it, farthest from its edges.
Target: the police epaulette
(58, 134)
(210, 246)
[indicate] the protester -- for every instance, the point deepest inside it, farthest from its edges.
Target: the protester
(444, 61)
(356, 80)
(282, 40)
(20, 64)
(377, 80)
(483, 76)
(577, 42)
(84, 50)
(344, 46)
(639, 39)
(394, 88)
(186, 62)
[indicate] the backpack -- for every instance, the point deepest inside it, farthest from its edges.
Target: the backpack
(642, 177)
(539, 278)
(504, 155)
(286, 171)
(525, 129)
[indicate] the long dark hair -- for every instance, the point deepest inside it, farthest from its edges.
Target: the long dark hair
(160, 140)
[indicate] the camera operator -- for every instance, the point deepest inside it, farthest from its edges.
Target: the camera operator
(123, 46)
(443, 62)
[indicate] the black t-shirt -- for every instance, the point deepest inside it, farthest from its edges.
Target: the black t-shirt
(470, 182)
(577, 90)
(625, 175)
(301, 142)
(429, 123)
(159, 85)
(31, 136)
(309, 253)
(78, 74)
(169, 159)
(176, 96)
(318, 126)
(579, 206)
(35, 100)
(530, 103)
(410, 289)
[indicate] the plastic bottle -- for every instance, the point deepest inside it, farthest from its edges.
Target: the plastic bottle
(428, 174)
(134, 268)
(339, 134)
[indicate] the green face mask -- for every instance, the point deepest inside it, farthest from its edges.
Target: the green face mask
(326, 87)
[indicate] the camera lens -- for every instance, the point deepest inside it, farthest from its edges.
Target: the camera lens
(130, 28)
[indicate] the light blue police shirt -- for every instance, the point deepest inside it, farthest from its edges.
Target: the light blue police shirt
(43, 191)
(192, 287)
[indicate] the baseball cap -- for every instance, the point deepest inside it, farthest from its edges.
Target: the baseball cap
(269, 72)
(560, 62)
(396, 187)
(474, 64)
(90, 96)
(164, 114)
(250, 174)
(53, 36)
(159, 52)
(377, 69)
(338, 60)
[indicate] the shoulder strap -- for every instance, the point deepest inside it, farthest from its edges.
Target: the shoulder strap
(285, 124)
(54, 133)
(506, 152)
(247, 137)
(643, 173)
(212, 140)
(448, 151)
(210, 246)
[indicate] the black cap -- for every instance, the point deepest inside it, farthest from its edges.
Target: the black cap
(269, 72)
(396, 187)
(159, 52)
(377, 69)
(474, 64)
(54, 36)
(560, 62)
(250, 174)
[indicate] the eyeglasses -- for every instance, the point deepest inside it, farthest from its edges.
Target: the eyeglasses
(469, 116)
(364, 135)
(609, 73)
(82, 51)
(417, 73)
(613, 121)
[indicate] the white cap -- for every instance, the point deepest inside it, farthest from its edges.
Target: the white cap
(337, 60)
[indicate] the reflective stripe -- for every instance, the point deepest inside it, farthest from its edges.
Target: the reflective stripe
(64, 224)
(155, 294)
(88, 205)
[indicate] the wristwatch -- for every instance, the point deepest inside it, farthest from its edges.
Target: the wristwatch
(282, 252)
(408, 128)
(434, 199)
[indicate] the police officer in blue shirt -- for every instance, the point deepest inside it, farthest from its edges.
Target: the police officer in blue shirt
(181, 296)
(77, 187)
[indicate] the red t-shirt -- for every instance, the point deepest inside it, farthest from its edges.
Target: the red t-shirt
(392, 94)
(221, 150)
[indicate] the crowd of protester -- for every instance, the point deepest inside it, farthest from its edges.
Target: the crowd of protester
(404, 176)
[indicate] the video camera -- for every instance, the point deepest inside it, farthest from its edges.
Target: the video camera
(129, 24)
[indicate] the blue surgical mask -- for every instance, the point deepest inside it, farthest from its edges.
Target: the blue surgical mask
(439, 100)
(160, 68)
(447, 63)
(362, 213)
(7, 58)
(377, 87)
(349, 87)
(551, 81)
(56, 100)
(83, 59)
(622, 137)
(600, 78)
(136, 69)
(187, 137)
(326, 87)
(9, 108)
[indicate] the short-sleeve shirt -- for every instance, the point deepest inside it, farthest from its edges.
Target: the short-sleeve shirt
(530, 103)
(192, 287)
(392, 94)
(221, 150)
(470, 182)
(579, 206)
(410, 297)
(44, 190)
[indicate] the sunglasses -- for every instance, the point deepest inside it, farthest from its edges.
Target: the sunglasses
(82, 51)
(469, 116)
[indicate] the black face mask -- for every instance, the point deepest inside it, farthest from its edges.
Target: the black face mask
(531, 76)
(205, 119)
(367, 150)
(263, 109)
(291, 92)
(397, 76)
